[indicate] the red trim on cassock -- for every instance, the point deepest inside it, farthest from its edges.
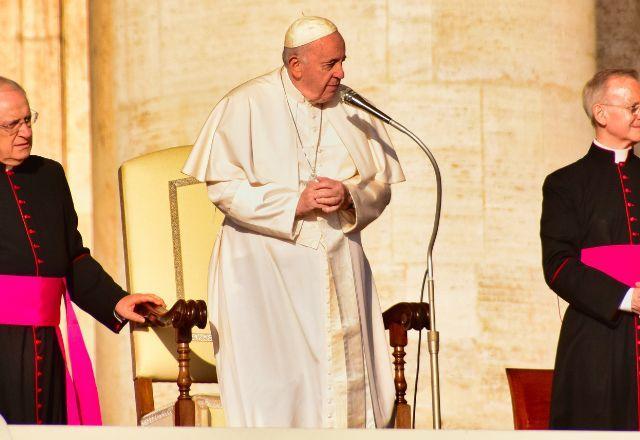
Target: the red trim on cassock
(636, 333)
(79, 257)
(23, 217)
(36, 370)
(557, 272)
(626, 202)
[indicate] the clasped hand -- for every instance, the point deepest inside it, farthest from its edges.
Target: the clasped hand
(325, 194)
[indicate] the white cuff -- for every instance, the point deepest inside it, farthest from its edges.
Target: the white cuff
(625, 305)
(121, 320)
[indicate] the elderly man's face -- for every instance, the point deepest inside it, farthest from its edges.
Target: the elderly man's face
(620, 114)
(14, 147)
(321, 69)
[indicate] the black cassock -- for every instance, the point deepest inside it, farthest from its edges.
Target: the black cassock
(39, 236)
(592, 202)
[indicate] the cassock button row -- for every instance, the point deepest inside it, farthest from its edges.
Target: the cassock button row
(633, 219)
(38, 341)
(16, 187)
(40, 261)
(31, 231)
(39, 390)
(39, 358)
(21, 202)
(40, 406)
(625, 177)
(634, 234)
(26, 216)
(36, 246)
(39, 373)
(627, 190)
(631, 204)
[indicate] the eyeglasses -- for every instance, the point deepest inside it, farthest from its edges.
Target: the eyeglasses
(13, 127)
(634, 109)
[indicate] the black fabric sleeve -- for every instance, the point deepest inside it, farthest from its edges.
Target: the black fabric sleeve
(90, 287)
(586, 289)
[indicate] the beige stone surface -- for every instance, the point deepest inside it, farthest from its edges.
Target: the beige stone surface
(492, 86)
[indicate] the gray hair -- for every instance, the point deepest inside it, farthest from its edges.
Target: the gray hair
(596, 87)
(289, 52)
(11, 84)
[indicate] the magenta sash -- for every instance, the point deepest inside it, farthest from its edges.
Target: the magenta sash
(35, 301)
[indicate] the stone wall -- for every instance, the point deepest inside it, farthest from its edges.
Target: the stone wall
(492, 86)
(617, 33)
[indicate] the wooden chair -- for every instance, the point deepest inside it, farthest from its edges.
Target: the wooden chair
(167, 252)
(530, 397)
(169, 227)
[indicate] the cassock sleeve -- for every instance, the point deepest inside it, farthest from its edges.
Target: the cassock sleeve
(268, 209)
(584, 288)
(369, 200)
(90, 287)
(371, 195)
(222, 156)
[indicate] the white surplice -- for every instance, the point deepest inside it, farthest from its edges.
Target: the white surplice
(298, 330)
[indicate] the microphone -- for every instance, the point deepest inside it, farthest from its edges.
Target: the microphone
(348, 95)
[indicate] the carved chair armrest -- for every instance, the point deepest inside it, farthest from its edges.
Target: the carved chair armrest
(183, 314)
(399, 319)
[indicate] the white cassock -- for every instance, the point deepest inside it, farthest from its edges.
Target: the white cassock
(298, 329)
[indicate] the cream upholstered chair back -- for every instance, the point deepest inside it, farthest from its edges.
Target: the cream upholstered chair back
(169, 228)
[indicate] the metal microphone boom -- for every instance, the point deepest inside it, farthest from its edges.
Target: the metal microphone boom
(351, 97)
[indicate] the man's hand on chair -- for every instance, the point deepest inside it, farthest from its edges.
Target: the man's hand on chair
(124, 307)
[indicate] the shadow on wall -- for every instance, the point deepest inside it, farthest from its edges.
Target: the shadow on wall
(618, 39)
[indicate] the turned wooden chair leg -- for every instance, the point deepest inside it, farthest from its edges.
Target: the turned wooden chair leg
(185, 409)
(398, 340)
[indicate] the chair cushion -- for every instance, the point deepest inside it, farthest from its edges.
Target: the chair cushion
(170, 227)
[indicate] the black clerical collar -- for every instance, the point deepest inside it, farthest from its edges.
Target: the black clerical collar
(620, 154)
(610, 154)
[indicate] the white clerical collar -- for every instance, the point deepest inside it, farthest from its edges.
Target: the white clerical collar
(620, 154)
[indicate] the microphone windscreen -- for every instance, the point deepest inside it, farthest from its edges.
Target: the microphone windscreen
(346, 93)
(349, 96)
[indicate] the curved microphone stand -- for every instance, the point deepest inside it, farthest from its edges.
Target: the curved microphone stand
(351, 97)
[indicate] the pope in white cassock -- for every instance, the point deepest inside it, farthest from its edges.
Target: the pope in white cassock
(298, 329)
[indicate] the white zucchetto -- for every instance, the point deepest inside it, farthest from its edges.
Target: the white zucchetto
(307, 29)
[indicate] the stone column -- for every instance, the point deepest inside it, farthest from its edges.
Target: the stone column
(617, 23)
(30, 53)
(44, 48)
